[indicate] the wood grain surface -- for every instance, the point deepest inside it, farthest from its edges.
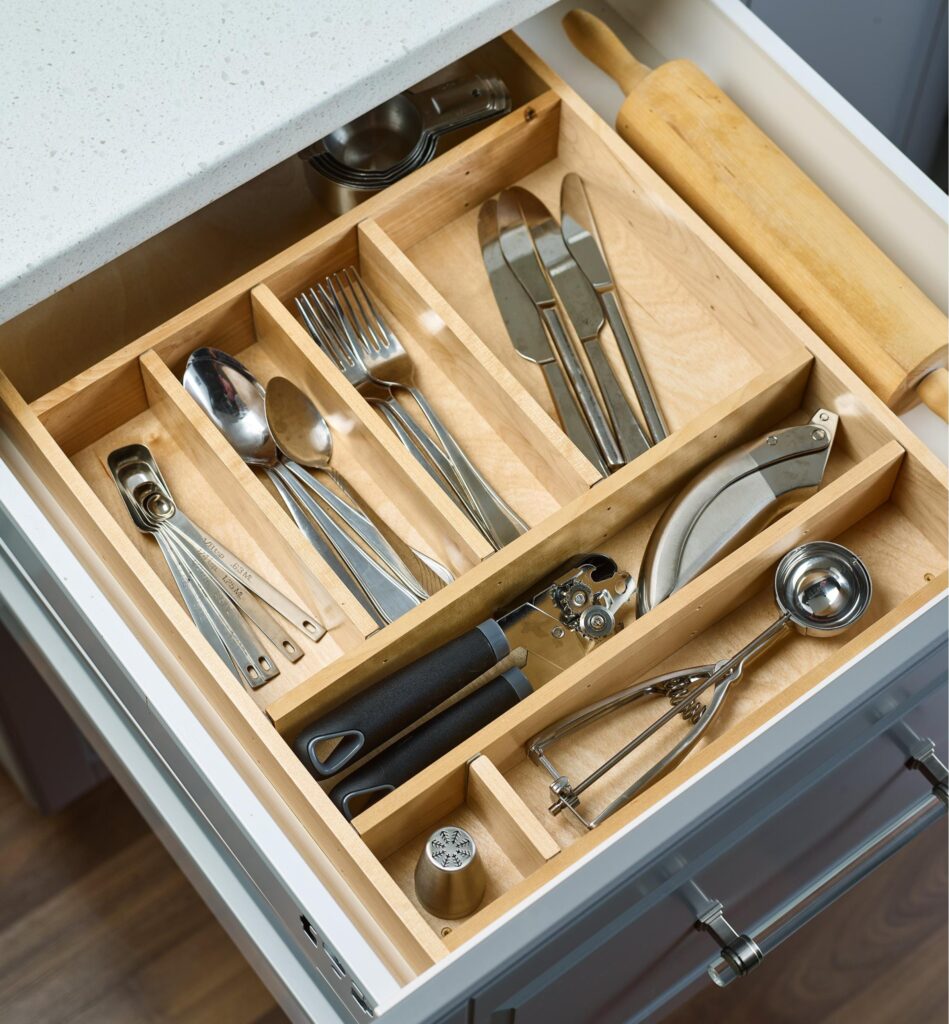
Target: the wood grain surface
(98, 925)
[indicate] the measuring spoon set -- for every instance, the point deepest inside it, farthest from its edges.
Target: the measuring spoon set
(223, 595)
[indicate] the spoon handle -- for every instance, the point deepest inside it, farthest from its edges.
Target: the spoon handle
(441, 572)
(362, 526)
(205, 544)
(390, 597)
(198, 610)
(322, 547)
(249, 605)
(249, 658)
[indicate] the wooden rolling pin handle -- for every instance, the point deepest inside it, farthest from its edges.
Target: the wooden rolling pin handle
(600, 45)
(933, 389)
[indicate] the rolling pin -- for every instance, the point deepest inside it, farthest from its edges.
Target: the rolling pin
(767, 209)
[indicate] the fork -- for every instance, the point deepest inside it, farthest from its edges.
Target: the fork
(388, 362)
(325, 327)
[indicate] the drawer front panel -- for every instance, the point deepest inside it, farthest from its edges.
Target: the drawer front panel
(633, 944)
(652, 950)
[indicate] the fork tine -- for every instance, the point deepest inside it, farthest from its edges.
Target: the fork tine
(387, 333)
(328, 341)
(329, 301)
(355, 330)
(308, 320)
(329, 319)
(379, 344)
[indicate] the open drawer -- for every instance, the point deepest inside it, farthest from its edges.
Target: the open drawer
(729, 362)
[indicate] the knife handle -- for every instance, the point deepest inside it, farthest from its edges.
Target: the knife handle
(584, 389)
(629, 350)
(571, 418)
(427, 743)
(632, 440)
(381, 711)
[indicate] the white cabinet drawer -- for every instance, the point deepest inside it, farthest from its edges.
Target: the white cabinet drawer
(290, 900)
(756, 847)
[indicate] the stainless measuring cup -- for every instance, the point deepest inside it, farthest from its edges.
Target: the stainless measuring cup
(391, 140)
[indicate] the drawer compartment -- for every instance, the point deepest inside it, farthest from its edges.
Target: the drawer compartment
(729, 363)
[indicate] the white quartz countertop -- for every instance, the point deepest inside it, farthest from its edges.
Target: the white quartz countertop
(118, 119)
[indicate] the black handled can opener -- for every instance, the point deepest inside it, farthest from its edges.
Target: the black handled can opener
(556, 623)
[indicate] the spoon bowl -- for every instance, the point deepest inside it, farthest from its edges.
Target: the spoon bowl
(234, 401)
(296, 424)
(823, 587)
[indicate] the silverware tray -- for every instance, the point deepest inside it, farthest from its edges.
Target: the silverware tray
(728, 360)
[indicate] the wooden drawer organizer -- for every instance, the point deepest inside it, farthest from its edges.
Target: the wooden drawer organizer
(729, 362)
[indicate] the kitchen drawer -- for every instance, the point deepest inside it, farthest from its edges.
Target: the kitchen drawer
(750, 848)
(340, 897)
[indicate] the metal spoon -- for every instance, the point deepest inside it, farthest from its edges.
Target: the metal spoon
(304, 436)
(234, 400)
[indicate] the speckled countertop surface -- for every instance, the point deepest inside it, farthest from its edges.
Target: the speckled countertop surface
(118, 119)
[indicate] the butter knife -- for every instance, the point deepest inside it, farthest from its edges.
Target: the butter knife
(518, 249)
(580, 234)
(582, 304)
(527, 333)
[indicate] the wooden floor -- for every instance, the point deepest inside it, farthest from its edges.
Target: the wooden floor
(98, 926)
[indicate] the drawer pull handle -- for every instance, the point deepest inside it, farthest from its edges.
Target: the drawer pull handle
(741, 952)
(923, 759)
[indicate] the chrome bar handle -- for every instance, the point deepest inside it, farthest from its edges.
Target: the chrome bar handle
(741, 952)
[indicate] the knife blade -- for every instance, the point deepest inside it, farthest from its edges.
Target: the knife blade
(582, 239)
(582, 304)
(527, 333)
(518, 249)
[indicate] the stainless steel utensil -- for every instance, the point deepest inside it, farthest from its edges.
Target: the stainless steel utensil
(235, 401)
(526, 331)
(319, 315)
(579, 232)
(821, 589)
(341, 313)
(730, 501)
(217, 587)
(449, 875)
(518, 249)
(382, 146)
(557, 622)
(304, 437)
(583, 308)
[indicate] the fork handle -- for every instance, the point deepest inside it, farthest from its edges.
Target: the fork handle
(432, 459)
(502, 521)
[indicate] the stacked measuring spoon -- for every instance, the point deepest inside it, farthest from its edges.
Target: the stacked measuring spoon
(223, 595)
